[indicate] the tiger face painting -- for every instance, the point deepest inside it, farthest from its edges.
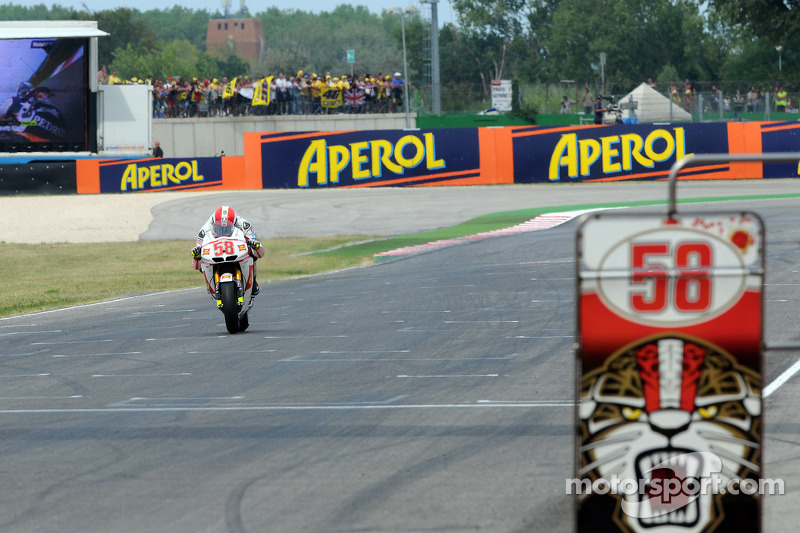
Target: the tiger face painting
(667, 408)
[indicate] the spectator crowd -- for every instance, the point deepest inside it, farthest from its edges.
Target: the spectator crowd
(301, 94)
(753, 101)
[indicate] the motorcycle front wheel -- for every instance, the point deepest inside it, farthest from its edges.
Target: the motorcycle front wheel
(244, 322)
(229, 307)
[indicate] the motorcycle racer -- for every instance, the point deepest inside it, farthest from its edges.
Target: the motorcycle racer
(31, 114)
(221, 223)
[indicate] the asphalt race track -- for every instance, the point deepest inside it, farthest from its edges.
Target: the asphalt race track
(432, 393)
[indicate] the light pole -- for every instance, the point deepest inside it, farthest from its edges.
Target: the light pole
(402, 13)
(436, 79)
(779, 48)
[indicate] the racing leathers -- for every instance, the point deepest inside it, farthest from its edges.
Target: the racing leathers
(256, 250)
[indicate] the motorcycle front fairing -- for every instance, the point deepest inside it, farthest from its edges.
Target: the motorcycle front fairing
(227, 259)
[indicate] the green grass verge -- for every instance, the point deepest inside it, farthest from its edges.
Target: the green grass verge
(41, 277)
(49, 276)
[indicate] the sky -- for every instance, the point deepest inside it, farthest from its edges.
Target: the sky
(444, 10)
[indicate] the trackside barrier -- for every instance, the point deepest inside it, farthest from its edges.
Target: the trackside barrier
(669, 367)
(150, 174)
(465, 156)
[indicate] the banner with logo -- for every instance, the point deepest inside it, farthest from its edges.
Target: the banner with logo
(669, 331)
(230, 89)
(613, 153)
(331, 97)
(478, 156)
(261, 96)
(371, 158)
(160, 174)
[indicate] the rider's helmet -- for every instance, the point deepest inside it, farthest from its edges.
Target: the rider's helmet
(223, 220)
(24, 90)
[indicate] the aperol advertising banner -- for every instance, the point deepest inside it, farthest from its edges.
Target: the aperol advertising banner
(159, 174)
(611, 153)
(779, 137)
(669, 372)
(369, 158)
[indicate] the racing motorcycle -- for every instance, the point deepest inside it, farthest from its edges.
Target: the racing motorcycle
(30, 117)
(228, 269)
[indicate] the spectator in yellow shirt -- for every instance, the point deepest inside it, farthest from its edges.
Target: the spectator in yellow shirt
(114, 79)
(317, 83)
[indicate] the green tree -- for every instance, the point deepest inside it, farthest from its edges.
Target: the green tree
(492, 34)
(231, 65)
(638, 40)
(125, 30)
(776, 21)
(179, 23)
(298, 40)
(455, 66)
(37, 12)
(753, 37)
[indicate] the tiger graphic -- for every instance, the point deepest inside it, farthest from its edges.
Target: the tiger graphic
(670, 407)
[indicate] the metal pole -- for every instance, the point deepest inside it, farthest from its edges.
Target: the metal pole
(712, 159)
(603, 72)
(700, 105)
(436, 78)
(405, 68)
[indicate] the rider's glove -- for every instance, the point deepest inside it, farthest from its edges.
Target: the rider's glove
(253, 244)
(196, 252)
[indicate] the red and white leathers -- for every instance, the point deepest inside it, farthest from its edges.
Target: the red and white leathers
(239, 222)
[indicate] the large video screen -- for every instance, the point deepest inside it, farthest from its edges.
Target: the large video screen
(43, 95)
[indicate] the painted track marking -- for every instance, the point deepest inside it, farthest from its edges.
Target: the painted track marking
(542, 222)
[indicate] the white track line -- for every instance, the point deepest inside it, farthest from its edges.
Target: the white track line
(278, 408)
(780, 380)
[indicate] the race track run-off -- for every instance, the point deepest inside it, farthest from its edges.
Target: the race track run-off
(541, 222)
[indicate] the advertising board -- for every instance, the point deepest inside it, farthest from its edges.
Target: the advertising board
(370, 158)
(777, 138)
(669, 382)
(159, 174)
(612, 153)
(502, 94)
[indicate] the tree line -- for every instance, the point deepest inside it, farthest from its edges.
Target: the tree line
(531, 41)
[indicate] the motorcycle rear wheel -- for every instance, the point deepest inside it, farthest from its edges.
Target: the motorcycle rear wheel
(244, 322)
(229, 307)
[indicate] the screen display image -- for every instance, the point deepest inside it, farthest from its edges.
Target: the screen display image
(43, 94)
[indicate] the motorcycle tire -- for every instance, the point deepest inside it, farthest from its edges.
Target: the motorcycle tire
(244, 322)
(229, 307)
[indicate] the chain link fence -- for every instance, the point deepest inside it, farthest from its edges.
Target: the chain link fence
(706, 101)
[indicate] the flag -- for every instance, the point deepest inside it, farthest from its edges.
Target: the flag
(228, 92)
(261, 95)
(354, 97)
(331, 97)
